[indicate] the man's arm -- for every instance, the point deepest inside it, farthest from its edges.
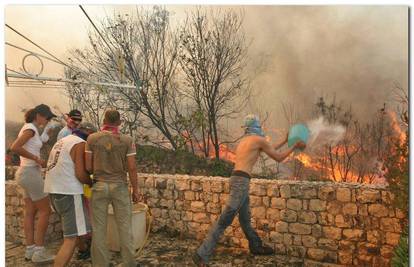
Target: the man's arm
(279, 145)
(133, 177)
(77, 154)
(88, 157)
(279, 157)
(132, 171)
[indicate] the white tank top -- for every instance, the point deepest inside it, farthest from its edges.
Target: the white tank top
(33, 145)
(60, 173)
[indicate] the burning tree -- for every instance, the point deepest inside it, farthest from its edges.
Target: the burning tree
(397, 174)
(396, 163)
(359, 155)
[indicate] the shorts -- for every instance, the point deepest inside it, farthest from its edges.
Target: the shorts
(73, 213)
(31, 180)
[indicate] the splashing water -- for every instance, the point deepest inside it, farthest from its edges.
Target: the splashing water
(323, 133)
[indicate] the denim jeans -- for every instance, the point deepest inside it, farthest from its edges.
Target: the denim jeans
(104, 193)
(238, 203)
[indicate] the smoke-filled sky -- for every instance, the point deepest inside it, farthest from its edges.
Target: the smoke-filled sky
(296, 53)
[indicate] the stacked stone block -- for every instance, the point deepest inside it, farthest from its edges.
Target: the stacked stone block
(337, 224)
(15, 215)
(324, 223)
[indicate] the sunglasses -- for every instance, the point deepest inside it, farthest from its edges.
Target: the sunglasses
(76, 119)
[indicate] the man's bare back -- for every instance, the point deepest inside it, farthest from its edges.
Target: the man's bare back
(247, 152)
(249, 148)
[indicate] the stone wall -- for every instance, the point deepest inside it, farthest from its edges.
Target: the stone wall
(15, 215)
(337, 224)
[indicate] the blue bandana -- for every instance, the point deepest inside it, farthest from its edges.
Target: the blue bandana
(80, 134)
(252, 126)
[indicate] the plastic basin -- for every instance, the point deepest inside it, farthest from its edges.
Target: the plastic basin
(139, 212)
(298, 132)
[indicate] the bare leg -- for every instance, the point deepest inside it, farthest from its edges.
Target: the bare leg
(43, 209)
(29, 216)
(65, 252)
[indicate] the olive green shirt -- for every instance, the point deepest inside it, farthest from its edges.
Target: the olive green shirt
(110, 152)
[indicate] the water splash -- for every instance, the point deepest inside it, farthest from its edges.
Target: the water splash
(324, 133)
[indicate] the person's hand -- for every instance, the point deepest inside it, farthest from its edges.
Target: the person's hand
(41, 162)
(300, 145)
(50, 132)
(136, 196)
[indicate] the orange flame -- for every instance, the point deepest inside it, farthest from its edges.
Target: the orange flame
(396, 126)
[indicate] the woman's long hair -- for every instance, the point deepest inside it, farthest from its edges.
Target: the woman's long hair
(30, 115)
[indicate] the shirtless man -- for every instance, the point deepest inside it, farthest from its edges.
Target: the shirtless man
(247, 153)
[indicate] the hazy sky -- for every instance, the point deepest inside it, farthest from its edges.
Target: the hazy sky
(297, 53)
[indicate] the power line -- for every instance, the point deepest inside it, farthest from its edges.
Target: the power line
(31, 52)
(38, 46)
(25, 76)
(96, 28)
(37, 87)
(64, 80)
(44, 50)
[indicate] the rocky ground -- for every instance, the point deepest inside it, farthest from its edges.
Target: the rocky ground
(165, 250)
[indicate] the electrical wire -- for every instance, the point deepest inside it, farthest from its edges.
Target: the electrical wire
(31, 52)
(20, 73)
(44, 50)
(38, 46)
(60, 61)
(65, 80)
(96, 28)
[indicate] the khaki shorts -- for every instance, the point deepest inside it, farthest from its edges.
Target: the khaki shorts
(31, 180)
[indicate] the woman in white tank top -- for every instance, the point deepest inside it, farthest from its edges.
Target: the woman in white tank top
(29, 177)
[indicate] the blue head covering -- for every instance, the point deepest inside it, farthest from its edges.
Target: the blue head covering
(252, 126)
(83, 130)
(80, 134)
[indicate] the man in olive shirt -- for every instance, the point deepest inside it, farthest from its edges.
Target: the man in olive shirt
(110, 156)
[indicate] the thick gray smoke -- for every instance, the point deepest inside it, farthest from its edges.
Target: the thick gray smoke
(296, 54)
(355, 53)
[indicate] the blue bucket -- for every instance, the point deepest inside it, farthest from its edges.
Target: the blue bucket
(298, 132)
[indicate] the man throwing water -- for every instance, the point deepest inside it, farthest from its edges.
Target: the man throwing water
(247, 153)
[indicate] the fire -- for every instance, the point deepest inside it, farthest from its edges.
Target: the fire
(336, 173)
(396, 126)
(333, 165)
(306, 160)
(227, 154)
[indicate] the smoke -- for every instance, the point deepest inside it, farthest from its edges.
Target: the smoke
(323, 133)
(296, 54)
(299, 53)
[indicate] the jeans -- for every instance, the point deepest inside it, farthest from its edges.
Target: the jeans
(104, 193)
(238, 203)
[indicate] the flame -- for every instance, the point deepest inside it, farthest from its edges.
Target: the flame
(315, 163)
(227, 154)
(335, 173)
(396, 126)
